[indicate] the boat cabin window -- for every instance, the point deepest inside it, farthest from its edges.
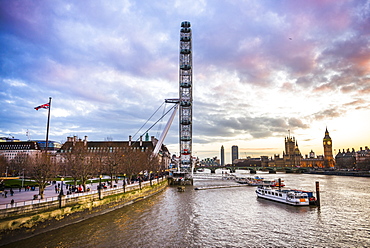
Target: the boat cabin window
(291, 195)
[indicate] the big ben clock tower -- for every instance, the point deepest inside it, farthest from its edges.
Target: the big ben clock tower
(328, 151)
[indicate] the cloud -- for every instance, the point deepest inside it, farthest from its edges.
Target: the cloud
(355, 103)
(249, 128)
(328, 114)
(260, 68)
(297, 123)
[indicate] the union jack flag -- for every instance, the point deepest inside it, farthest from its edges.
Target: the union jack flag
(45, 106)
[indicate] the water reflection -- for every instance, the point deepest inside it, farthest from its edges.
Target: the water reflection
(228, 217)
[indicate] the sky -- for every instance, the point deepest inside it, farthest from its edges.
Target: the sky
(262, 70)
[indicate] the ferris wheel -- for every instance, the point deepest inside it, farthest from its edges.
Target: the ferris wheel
(185, 98)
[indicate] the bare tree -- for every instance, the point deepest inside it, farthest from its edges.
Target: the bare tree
(113, 162)
(150, 163)
(98, 160)
(19, 164)
(3, 164)
(131, 163)
(41, 170)
(79, 164)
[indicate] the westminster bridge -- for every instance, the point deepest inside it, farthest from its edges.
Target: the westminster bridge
(252, 169)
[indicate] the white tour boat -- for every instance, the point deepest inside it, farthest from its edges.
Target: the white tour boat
(288, 196)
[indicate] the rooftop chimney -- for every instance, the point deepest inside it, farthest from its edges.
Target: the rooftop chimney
(154, 141)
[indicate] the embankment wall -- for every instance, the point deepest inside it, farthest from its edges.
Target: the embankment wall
(38, 218)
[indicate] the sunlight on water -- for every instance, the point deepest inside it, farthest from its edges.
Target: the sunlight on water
(228, 217)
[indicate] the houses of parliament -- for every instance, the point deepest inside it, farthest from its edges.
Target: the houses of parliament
(345, 159)
(292, 157)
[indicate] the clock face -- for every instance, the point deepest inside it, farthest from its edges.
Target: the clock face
(324, 143)
(329, 143)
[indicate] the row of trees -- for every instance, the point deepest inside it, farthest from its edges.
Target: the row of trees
(80, 165)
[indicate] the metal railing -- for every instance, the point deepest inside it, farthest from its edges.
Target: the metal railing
(105, 192)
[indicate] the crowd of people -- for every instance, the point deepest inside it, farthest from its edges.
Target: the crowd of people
(69, 188)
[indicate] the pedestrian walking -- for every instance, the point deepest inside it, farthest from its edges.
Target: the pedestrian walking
(12, 201)
(5, 194)
(11, 192)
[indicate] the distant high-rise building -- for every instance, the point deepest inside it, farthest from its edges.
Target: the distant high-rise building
(222, 156)
(234, 153)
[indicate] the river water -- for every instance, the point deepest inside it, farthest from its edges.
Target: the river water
(228, 217)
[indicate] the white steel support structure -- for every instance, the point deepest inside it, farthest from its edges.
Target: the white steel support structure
(165, 131)
(185, 98)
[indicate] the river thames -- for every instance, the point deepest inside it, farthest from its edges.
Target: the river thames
(228, 217)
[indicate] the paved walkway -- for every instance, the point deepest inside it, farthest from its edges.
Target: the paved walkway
(21, 196)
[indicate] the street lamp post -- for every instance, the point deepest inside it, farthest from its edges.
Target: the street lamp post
(61, 195)
(61, 189)
(22, 178)
(140, 179)
(124, 183)
(150, 177)
(100, 186)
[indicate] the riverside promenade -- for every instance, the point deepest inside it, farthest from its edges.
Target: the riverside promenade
(36, 214)
(22, 198)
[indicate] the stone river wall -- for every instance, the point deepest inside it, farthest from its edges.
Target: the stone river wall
(31, 219)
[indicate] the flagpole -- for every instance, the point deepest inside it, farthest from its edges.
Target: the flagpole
(47, 128)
